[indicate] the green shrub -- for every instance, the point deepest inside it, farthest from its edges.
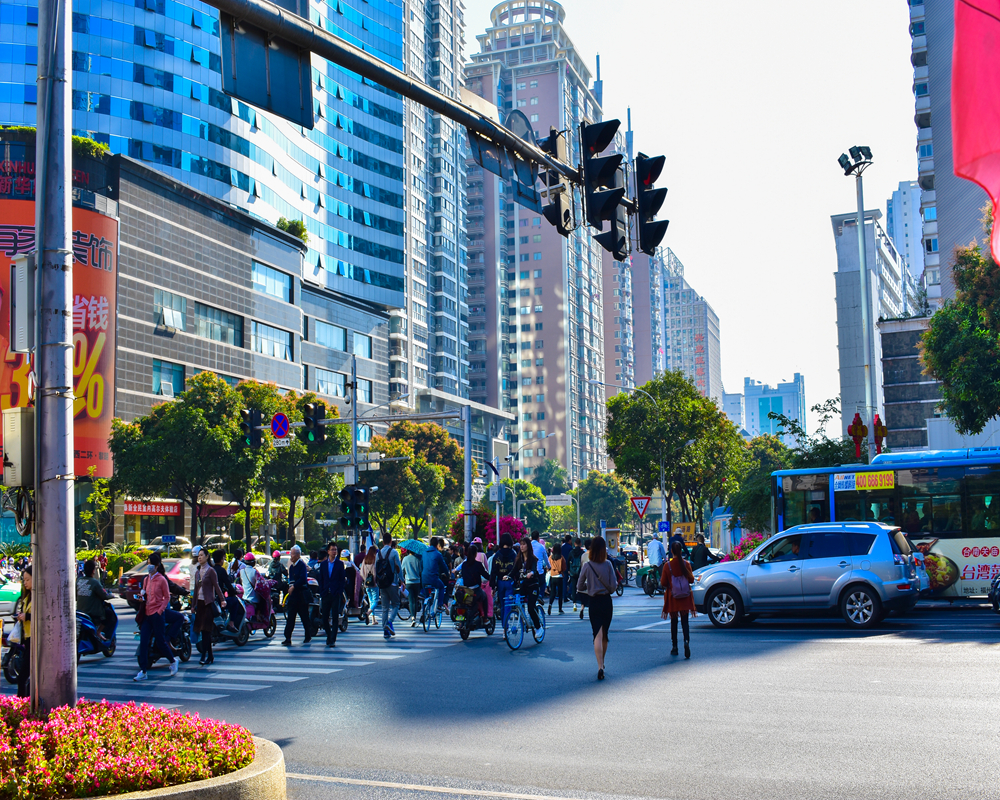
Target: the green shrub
(123, 562)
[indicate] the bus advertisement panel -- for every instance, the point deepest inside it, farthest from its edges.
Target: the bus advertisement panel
(948, 504)
(95, 279)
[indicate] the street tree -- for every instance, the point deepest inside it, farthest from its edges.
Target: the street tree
(437, 447)
(535, 513)
(98, 513)
(667, 421)
(604, 496)
(751, 502)
(961, 347)
(551, 477)
(182, 448)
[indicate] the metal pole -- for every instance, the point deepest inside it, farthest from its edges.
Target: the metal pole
(354, 415)
(663, 497)
(868, 349)
(467, 434)
(303, 34)
(577, 501)
(267, 521)
(53, 662)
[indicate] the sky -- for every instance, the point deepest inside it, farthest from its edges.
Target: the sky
(752, 103)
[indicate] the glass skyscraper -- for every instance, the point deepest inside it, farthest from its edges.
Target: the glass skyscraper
(147, 81)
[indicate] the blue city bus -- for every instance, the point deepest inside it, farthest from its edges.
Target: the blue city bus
(946, 501)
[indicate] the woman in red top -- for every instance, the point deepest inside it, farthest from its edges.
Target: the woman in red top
(677, 578)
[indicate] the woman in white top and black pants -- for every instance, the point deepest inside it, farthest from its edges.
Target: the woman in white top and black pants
(598, 580)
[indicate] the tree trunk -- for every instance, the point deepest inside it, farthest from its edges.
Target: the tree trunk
(247, 530)
(193, 504)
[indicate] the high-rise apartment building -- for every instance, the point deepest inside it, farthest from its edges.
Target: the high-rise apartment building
(647, 315)
(904, 224)
(691, 335)
(536, 306)
(952, 206)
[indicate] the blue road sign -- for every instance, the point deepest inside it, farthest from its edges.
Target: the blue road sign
(168, 539)
(663, 527)
(279, 426)
(604, 524)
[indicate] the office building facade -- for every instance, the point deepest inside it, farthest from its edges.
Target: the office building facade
(904, 224)
(951, 206)
(760, 400)
(536, 307)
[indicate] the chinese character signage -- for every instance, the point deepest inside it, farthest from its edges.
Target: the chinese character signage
(95, 273)
(153, 509)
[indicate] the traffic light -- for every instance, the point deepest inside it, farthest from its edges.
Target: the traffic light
(313, 416)
(346, 513)
(362, 510)
(559, 210)
(602, 190)
(615, 239)
(251, 420)
(649, 200)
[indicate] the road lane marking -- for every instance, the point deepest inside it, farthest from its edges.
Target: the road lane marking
(416, 787)
(650, 625)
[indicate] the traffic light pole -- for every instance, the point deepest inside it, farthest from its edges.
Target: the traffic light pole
(53, 607)
(303, 34)
(354, 416)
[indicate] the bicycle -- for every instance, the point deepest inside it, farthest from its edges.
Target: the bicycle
(518, 619)
(629, 574)
(429, 611)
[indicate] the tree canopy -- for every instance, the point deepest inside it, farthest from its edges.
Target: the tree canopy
(535, 514)
(606, 497)
(961, 347)
(551, 477)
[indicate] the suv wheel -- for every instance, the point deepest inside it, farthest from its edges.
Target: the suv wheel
(860, 606)
(725, 607)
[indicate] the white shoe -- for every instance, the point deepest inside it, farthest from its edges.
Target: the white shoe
(173, 666)
(574, 606)
(141, 676)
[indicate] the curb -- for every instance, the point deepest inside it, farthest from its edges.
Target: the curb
(263, 779)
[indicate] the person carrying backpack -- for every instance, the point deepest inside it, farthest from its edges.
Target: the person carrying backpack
(388, 576)
(676, 578)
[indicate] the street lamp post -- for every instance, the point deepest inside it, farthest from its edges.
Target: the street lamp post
(860, 160)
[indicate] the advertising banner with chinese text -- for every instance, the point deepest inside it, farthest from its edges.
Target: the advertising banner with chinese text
(95, 279)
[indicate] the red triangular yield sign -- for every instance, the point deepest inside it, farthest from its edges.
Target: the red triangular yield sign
(640, 504)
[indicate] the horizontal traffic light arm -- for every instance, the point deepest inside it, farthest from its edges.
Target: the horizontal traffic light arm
(303, 34)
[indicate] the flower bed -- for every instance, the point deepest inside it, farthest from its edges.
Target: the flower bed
(103, 748)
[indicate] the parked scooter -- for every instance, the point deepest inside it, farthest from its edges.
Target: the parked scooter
(89, 642)
(467, 614)
(648, 578)
(221, 630)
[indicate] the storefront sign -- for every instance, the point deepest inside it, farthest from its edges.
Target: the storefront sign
(863, 481)
(153, 509)
(95, 271)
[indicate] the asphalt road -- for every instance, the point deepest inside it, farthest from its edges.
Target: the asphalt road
(789, 708)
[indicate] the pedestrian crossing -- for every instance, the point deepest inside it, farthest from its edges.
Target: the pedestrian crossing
(259, 665)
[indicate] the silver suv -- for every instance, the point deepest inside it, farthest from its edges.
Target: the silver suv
(862, 569)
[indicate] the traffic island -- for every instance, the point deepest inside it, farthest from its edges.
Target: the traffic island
(130, 750)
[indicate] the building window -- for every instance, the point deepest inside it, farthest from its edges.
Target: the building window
(526, 417)
(539, 380)
(524, 239)
(534, 84)
(539, 398)
(537, 273)
(525, 309)
(917, 29)
(932, 245)
(331, 336)
(524, 256)
(537, 238)
(168, 379)
(537, 256)
(218, 325)
(926, 150)
(271, 341)
(362, 345)
(538, 326)
(920, 89)
(540, 416)
(526, 381)
(331, 383)
(526, 328)
(529, 453)
(539, 344)
(541, 452)
(933, 277)
(169, 309)
(930, 213)
(538, 309)
(534, 117)
(364, 391)
(270, 281)
(539, 362)
(524, 276)
(534, 101)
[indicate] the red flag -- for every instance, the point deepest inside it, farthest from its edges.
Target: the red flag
(975, 100)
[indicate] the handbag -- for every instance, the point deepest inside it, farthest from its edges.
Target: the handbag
(140, 613)
(16, 633)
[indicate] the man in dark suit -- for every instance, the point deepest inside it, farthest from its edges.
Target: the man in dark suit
(332, 580)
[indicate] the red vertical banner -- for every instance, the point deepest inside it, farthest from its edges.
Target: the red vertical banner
(975, 99)
(95, 280)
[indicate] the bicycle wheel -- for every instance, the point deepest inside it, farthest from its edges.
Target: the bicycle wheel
(621, 589)
(513, 629)
(425, 616)
(404, 612)
(539, 632)
(630, 575)
(438, 617)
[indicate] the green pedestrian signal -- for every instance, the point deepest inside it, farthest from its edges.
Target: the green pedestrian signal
(346, 496)
(361, 507)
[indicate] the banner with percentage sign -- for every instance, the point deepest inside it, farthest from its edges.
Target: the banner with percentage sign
(95, 277)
